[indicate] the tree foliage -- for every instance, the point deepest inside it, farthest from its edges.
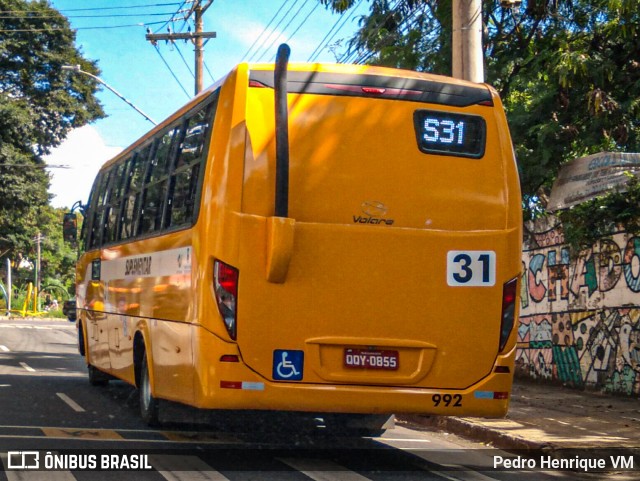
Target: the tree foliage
(567, 71)
(57, 257)
(585, 223)
(39, 104)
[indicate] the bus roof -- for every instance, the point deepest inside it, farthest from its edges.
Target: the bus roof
(449, 91)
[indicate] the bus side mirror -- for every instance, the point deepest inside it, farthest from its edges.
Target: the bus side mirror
(70, 227)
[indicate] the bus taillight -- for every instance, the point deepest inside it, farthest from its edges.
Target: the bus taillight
(509, 291)
(225, 281)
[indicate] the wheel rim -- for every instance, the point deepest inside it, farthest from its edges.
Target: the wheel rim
(146, 391)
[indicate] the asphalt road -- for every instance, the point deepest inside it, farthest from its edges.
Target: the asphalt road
(50, 414)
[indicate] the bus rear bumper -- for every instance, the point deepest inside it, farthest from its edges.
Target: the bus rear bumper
(232, 385)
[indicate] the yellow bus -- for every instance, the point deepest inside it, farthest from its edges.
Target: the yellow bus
(310, 238)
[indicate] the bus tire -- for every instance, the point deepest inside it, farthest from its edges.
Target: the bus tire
(149, 406)
(81, 348)
(96, 376)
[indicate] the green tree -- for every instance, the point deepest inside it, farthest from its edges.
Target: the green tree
(567, 71)
(39, 104)
(57, 257)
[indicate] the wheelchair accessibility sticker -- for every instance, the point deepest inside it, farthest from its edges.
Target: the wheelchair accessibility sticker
(287, 365)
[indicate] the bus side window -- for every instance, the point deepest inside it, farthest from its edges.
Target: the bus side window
(162, 158)
(152, 207)
(87, 216)
(156, 188)
(95, 239)
(112, 209)
(133, 201)
(184, 180)
(131, 194)
(184, 184)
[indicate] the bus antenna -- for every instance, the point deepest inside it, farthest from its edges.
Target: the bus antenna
(282, 131)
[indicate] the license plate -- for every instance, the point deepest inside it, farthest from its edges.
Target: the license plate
(371, 359)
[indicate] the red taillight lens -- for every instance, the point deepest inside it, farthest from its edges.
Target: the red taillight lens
(227, 278)
(509, 296)
(373, 90)
(225, 283)
(255, 83)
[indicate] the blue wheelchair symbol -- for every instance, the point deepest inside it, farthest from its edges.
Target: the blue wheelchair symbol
(288, 365)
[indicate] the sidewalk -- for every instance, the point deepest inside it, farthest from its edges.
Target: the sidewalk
(552, 417)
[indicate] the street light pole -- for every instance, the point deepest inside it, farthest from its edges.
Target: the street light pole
(76, 68)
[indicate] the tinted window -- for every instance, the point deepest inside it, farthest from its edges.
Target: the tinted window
(113, 202)
(98, 210)
(129, 216)
(162, 157)
(151, 214)
(183, 187)
(156, 187)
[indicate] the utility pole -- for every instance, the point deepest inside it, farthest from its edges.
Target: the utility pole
(38, 239)
(9, 286)
(467, 57)
(197, 10)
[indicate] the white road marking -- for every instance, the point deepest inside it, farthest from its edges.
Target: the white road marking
(70, 402)
(27, 367)
(4, 348)
(20, 475)
(133, 439)
(183, 468)
(322, 470)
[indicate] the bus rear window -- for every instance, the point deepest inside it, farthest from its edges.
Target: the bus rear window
(446, 133)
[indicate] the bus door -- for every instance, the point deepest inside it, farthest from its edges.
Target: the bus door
(97, 321)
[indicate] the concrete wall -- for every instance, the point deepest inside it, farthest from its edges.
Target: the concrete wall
(580, 313)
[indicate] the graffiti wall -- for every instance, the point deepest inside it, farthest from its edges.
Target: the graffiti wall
(580, 313)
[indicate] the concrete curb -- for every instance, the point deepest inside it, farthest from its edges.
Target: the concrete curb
(475, 431)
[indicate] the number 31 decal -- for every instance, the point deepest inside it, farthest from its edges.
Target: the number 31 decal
(471, 268)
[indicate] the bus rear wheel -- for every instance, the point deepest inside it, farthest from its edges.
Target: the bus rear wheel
(149, 406)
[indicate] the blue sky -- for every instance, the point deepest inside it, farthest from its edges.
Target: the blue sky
(133, 67)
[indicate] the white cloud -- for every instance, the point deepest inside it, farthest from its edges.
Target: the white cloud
(84, 152)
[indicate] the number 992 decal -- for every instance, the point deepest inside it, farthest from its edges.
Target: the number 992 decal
(447, 400)
(471, 268)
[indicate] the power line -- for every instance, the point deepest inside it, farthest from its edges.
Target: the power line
(119, 8)
(206, 67)
(354, 54)
(264, 30)
(172, 72)
(273, 30)
(283, 30)
(322, 43)
(36, 30)
(198, 36)
(183, 59)
(407, 24)
(172, 19)
(10, 12)
(302, 23)
(30, 16)
(316, 53)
